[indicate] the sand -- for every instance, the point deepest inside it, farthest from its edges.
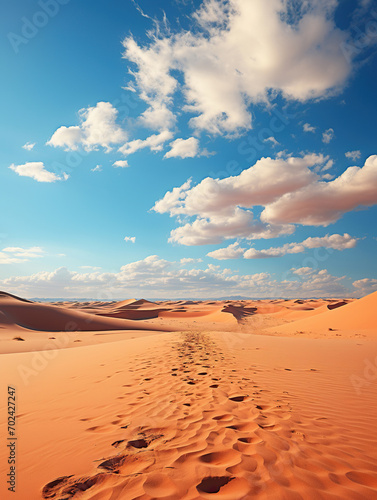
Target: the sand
(192, 400)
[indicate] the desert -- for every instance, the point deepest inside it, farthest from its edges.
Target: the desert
(193, 399)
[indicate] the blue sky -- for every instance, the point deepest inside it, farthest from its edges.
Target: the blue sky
(264, 113)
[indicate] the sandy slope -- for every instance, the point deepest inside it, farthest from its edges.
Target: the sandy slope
(212, 411)
(357, 318)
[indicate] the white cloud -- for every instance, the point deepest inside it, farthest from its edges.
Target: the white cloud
(13, 255)
(233, 251)
(155, 277)
(172, 199)
(273, 141)
(215, 229)
(302, 271)
(353, 155)
(97, 168)
(289, 189)
(328, 135)
(365, 286)
(154, 142)
(98, 128)
(333, 241)
(132, 239)
(121, 164)
(36, 170)
(222, 207)
(183, 148)
(320, 203)
(29, 146)
(308, 128)
(189, 260)
(265, 48)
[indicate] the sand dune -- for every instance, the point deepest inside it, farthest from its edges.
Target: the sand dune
(209, 412)
(45, 317)
(360, 315)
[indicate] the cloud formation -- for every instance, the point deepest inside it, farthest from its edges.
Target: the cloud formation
(121, 164)
(291, 191)
(28, 146)
(308, 128)
(98, 128)
(233, 251)
(183, 148)
(365, 286)
(353, 155)
(156, 277)
(154, 142)
(37, 171)
(332, 241)
(320, 203)
(15, 255)
(266, 47)
(328, 135)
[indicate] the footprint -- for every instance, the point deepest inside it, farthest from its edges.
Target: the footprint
(238, 399)
(212, 484)
(50, 488)
(117, 443)
(112, 464)
(63, 486)
(138, 443)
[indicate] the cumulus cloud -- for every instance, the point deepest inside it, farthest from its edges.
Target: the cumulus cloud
(14, 255)
(273, 141)
(29, 146)
(189, 260)
(156, 277)
(183, 148)
(121, 164)
(222, 206)
(289, 189)
(302, 271)
(308, 128)
(328, 135)
(214, 229)
(320, 203)
(266, 47)
(154, 142)
(97, 168)
(333, 241)
(353, 155)
(37, 171)
(233, 251)
(365, 286)
(132, 239)
(98, 128)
